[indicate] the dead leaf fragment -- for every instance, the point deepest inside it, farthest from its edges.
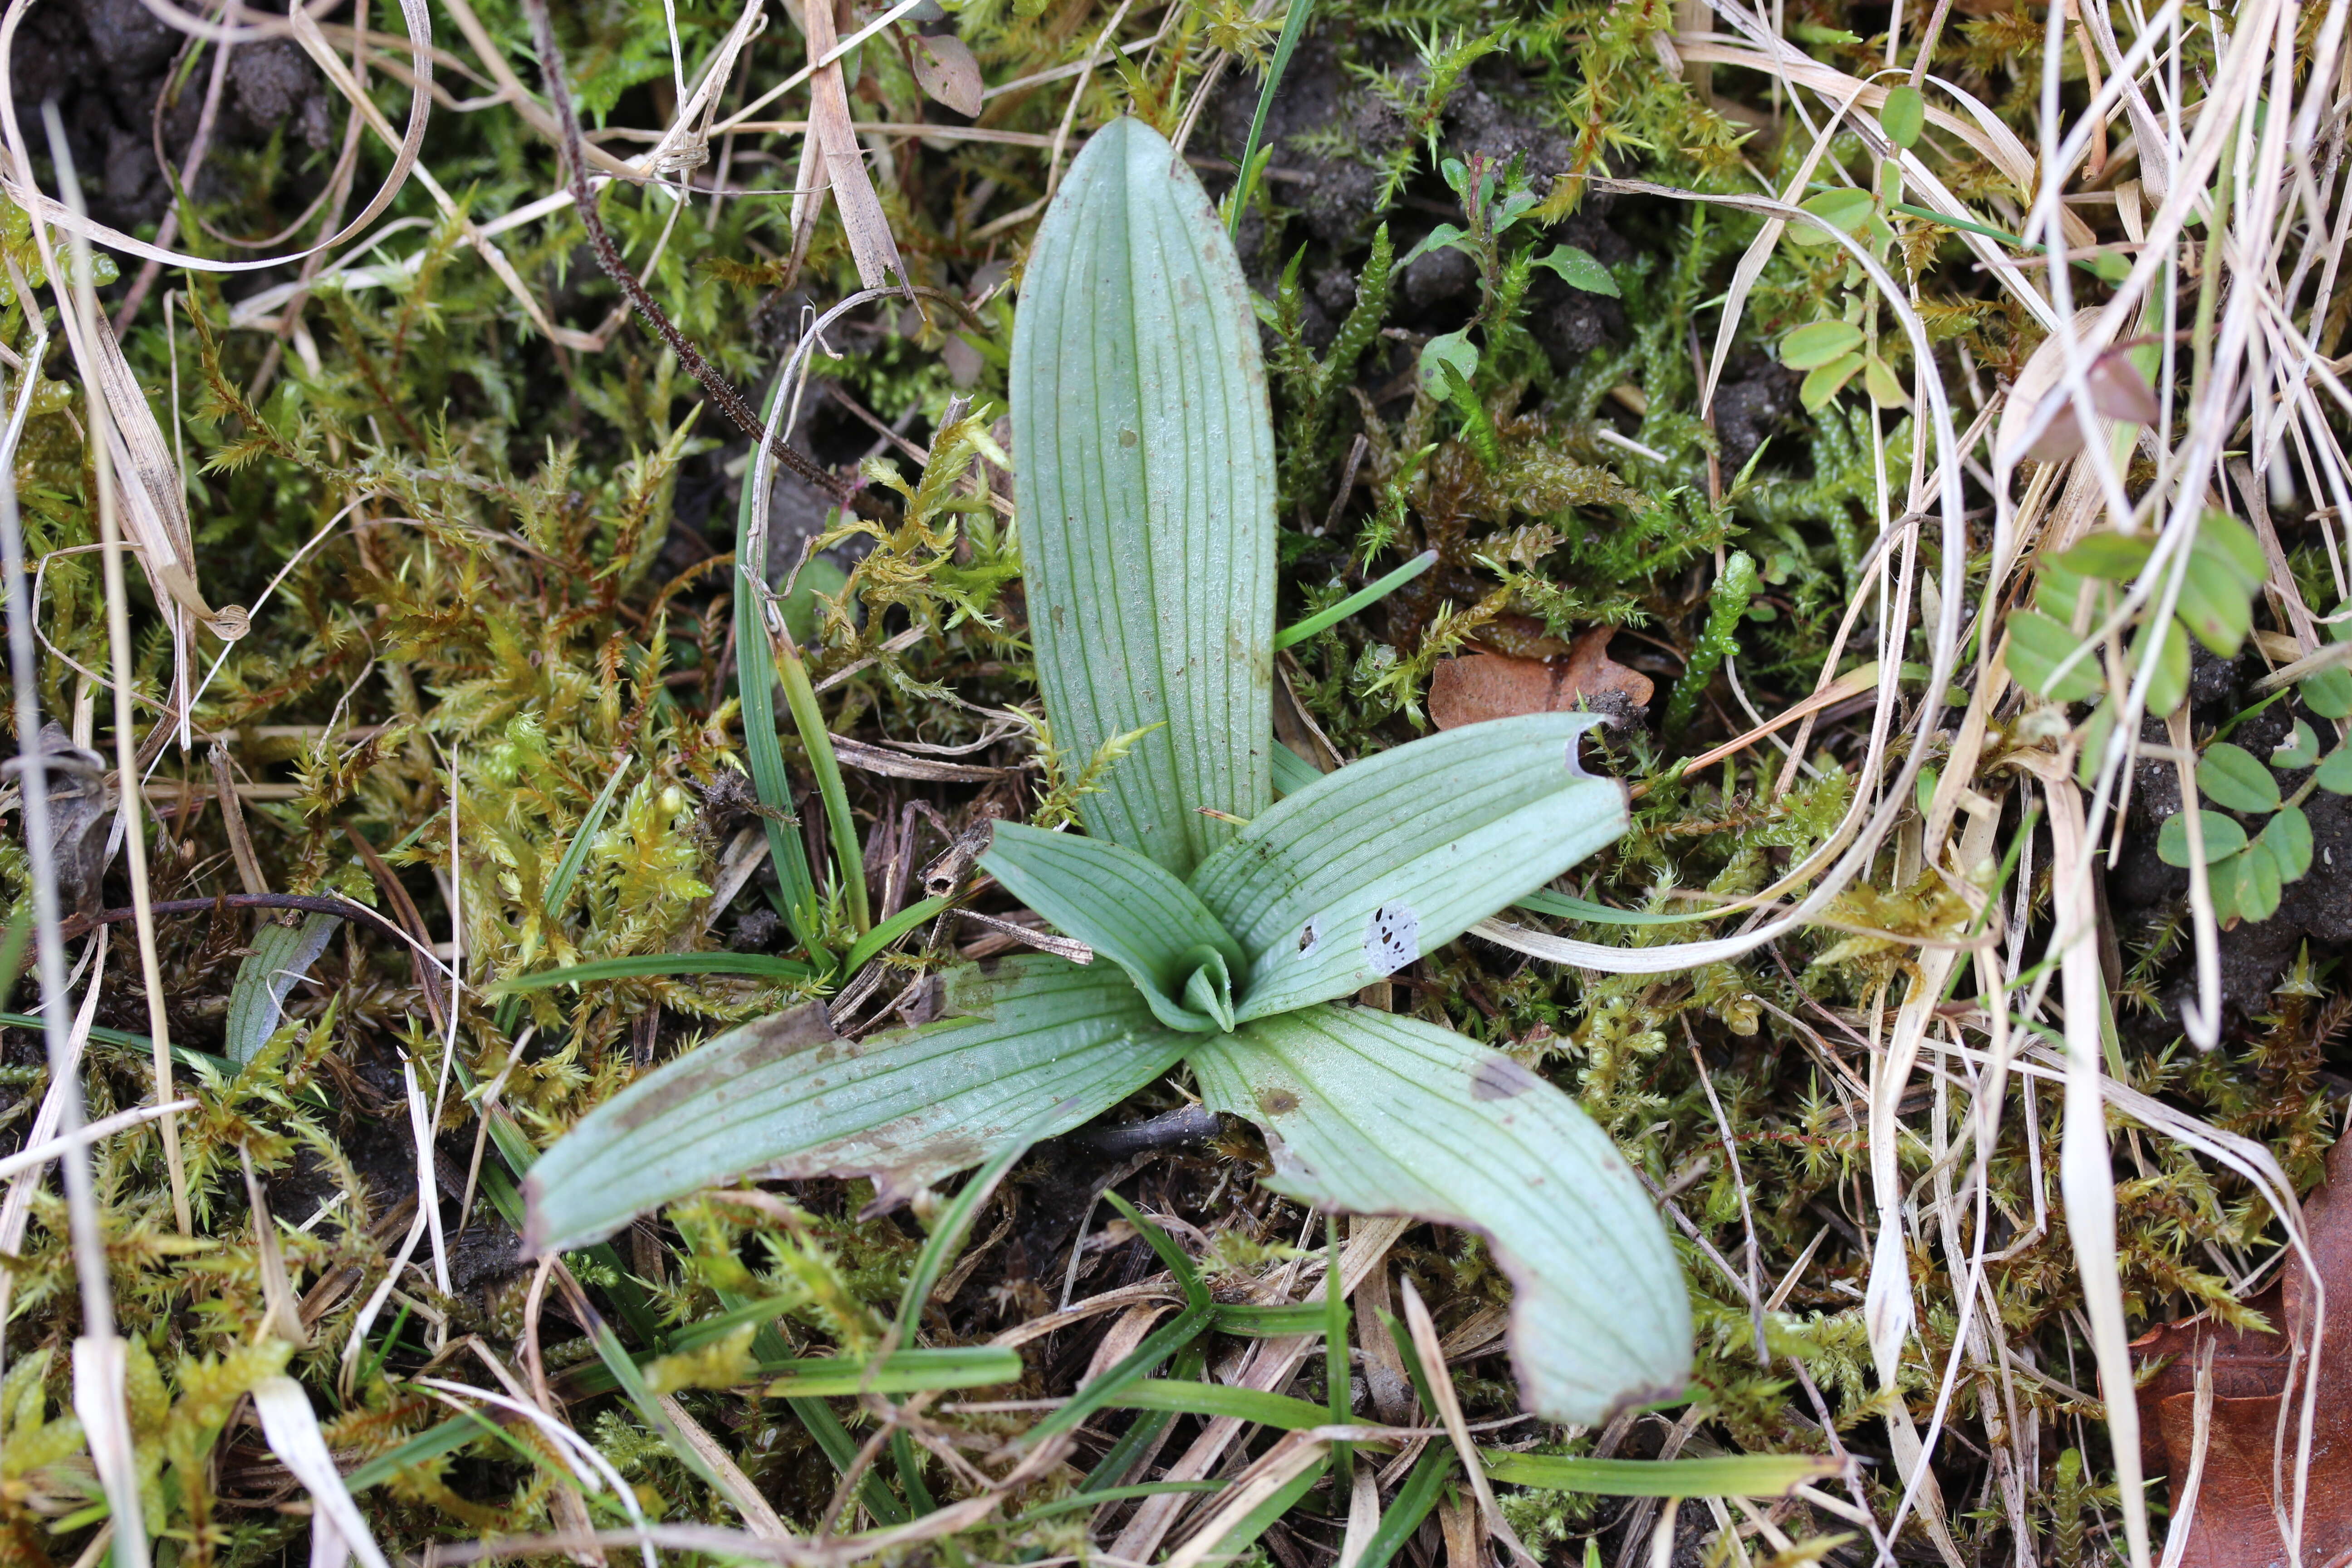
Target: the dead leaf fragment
(2234, 1524)
(1480, 686)
(945, 70)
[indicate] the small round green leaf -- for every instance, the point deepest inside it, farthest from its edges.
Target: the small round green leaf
(2334, 775)
(2299, 750)
(1844, 210)
(1826, 382)
(1878, 379)
(1451, 351)
(1811, 347)
(2233, 777)
(2038, 646)
(2223, 837)
(2287, 838)
(1903, 115)
(1582, 269)
(2215, 608)
(2114, 556)
(2170, 684)
(2230, 544)
(2328, 692)
(2258, 884)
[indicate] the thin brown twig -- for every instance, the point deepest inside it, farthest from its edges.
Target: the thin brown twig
(575, 159)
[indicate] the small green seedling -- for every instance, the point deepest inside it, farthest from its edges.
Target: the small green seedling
(1228, 930)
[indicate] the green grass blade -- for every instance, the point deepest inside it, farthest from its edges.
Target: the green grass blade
(904, 1371)
(1567, 907)
(1729, 1475)
(1275, 1410)
(1187, 1326)
(1292, 773)
(1293, 24)
(888, 932)
(430, 1443)
(1270, 1322)
(642, 965)
(1196, 1289)
(1114, 1494)
(1412, 1504)
(1144, 1430)
(1362, 598)
(832, 793)
(755, 688)
(567, 870)
(948, 1235)
(1146, 496)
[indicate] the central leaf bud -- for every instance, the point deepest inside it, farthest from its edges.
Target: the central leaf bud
(1209, 985)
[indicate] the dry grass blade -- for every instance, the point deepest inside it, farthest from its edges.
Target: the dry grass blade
(1425, 1345)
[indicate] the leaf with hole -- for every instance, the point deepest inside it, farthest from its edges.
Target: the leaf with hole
(1365, 869)
(1447, 351)
(2223, 837)
(2299, 750)
(946, 71)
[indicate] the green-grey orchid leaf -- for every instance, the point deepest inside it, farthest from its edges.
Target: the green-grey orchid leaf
(1131, 911)
(1145, 469)
(281, 958)
(1363, 870)
(1033, 1046)
(1375, 1113)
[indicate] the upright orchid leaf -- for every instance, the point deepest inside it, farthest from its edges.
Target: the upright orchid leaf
(1364, 869)
(1374, 1113)
(1033, 1046)
(280, 960)
(1131, 911)
(1145, 471)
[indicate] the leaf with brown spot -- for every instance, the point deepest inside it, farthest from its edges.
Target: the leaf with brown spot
(1480, 686)
(945, 69)
(1031, 1048)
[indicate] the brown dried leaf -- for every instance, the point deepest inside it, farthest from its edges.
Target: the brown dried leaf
(1480, 686)
(945, 69)
(2234, 1524)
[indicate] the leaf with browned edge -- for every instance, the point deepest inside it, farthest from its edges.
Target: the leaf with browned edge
(1032, 1047)
(1373, 1113)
